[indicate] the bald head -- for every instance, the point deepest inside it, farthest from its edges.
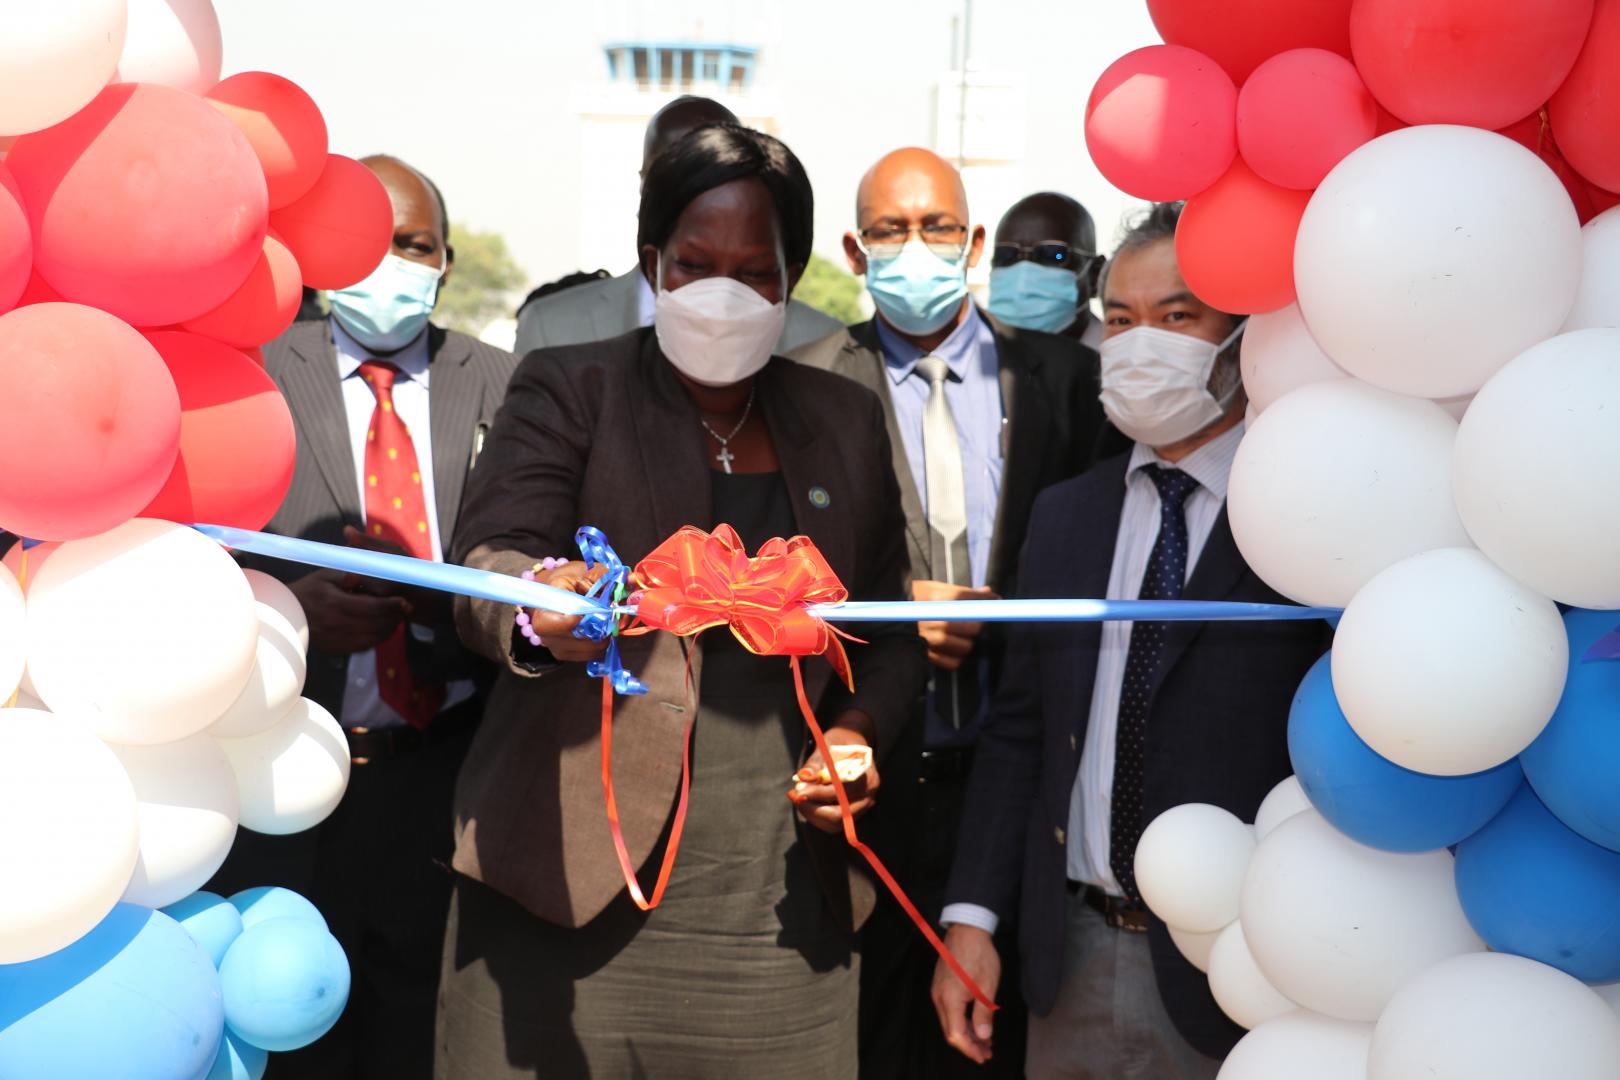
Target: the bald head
(1047, 216)
(676, 120)
(910, 183)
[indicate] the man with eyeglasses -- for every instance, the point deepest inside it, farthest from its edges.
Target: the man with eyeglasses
(1044, 268)
(982, 416)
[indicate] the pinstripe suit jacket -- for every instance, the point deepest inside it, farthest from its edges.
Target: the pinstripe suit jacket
(469, 380)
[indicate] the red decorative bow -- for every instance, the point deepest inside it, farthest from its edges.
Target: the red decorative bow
(696, 580)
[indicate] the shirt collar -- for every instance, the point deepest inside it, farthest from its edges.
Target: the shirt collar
(964, 346)
(1210, 464)
(412, 360)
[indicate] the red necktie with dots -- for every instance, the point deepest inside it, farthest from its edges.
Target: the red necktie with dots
(396, 511)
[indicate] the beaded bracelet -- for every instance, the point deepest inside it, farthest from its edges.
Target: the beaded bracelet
(523, 625)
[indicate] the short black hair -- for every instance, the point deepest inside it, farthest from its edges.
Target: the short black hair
(708, 157)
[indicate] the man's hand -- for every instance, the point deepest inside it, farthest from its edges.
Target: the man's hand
(816, 802)
(949, 643)
(966, 1023)
(342, 618)
(428, 606)
(557, 631)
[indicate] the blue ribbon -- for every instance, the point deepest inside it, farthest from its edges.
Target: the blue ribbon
(603, 623)
(600, 608)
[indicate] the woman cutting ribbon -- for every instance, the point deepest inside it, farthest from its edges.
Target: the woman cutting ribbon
(745, 966)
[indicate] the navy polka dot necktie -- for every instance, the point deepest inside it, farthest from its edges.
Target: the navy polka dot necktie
(1166, 573)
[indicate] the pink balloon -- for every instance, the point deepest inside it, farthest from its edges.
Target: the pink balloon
(147, 203)
(1300, 113)
(16, 242)
(1161, 123)
(1484, 63)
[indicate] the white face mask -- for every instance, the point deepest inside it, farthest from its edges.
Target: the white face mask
(1155, 384)
(717, 331)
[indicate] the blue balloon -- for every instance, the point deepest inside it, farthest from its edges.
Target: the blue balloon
(238, 1060)
(1373, 800)
(285, 981)
(273, 902)
(1574, 764)
(1532, 887)
(135, 998)
(209, 918)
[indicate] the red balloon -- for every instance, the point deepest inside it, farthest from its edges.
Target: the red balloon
(16, 242)
(1300, 113)
(237, 445)
(1479, 62)
(342, 228)
(1161, 123)
(284, 126)
(146, 203)
(1585, 111)
(263, 307)
(89, 421)
(1241, 34)
(1235, 243)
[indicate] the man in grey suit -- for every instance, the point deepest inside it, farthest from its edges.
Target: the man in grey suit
(981, 417)
(390, 412)
(604, 309)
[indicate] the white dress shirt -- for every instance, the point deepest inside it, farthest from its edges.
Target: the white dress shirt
(1090, 802)
(362, 703)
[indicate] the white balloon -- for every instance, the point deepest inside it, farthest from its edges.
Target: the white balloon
(1338, 480)
(1284, 801)
(1301, 1045)
(1537, 468)
(173, 42)
(1195, 948)
(1597, 301)
(293, 775)
(1278, 355)
(13, 635)
(280, 599)
(68, 838)
(1493, 1016)
(185, 794)
(1239, 987)
(1431, 256)
(278, 673)
(54, 58)
(1190, 864)
(177, 621)
(1446, 665)
(1338, 926)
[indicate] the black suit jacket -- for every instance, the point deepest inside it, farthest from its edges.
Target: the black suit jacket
(1217, 733)
(468, 381)
(1055, 426)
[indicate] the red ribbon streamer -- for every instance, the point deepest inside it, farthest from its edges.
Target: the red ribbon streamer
(696, 581)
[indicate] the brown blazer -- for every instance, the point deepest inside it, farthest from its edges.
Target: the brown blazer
(603, 434)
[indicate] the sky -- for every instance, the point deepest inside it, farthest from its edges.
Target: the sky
(487, 97)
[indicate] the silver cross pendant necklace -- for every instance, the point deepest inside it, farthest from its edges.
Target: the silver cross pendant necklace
(725, 457)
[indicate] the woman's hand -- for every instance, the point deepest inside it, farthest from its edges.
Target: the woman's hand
(556, 630)
(816, 802)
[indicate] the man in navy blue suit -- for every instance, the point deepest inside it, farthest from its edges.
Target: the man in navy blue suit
(1097, 728)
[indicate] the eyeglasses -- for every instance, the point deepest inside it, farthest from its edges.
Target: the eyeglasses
(885, 241)
(1053, 253)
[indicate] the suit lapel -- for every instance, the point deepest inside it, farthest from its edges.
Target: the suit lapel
(454, 398)
(1220, 568)
(315, 399)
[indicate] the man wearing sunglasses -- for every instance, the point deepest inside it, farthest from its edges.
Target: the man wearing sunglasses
(1044, 268)
(982, 416)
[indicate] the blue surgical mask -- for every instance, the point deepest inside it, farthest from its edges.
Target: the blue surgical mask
(1034, 297)
(916, 290)
(387, 310)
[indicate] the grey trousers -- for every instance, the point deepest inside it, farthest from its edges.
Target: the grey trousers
(1109, 1022)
